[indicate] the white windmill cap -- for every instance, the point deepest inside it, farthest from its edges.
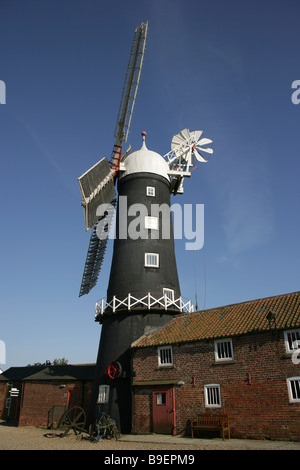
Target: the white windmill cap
(145, 161)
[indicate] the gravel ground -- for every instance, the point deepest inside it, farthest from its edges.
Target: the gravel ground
(33, 438)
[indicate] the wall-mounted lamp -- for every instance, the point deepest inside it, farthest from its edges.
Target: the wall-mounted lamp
(181, 382)
(271, 317)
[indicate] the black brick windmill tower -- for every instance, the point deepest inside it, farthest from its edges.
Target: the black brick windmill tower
(143, 290)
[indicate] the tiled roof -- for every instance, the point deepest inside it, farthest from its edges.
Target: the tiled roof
(19, 373)
(37, 373)
(231, 320)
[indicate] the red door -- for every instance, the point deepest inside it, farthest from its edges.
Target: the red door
(163, 410)
(73, 398)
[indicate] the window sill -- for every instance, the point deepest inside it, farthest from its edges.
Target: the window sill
(286, 355)
(223, 363)
(166, 367)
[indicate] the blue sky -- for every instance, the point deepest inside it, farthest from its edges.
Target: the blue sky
(224, 67)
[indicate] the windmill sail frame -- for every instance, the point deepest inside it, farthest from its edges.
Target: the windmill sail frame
(97, 184)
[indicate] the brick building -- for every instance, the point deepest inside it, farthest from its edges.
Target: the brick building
(44, 392)
(241, 360)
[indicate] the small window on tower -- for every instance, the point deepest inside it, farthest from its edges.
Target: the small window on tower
(151, 260)
(103, 394)
(151, 222)
(150, 191)
(169, 294)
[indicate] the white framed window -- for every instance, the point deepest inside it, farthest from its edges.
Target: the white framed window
(165, 356)
(292, 340)
(151, 222)
(293, 384)
(151, 260)
(169, 294)
(212, 396)
(103, 395)
(150, 191)
(223, 350)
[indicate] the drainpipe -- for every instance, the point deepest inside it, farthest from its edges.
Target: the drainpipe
(174, 412)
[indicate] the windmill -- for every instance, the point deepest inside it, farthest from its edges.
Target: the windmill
(143, 291)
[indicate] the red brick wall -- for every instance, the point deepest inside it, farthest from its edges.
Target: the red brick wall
(39, 397)
(3, 396)
(258, 408)
(15, 401)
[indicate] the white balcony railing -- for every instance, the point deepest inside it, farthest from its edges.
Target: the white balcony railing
(145, 301)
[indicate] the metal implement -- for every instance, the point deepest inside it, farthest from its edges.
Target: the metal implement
(72, 419)
(104, 428)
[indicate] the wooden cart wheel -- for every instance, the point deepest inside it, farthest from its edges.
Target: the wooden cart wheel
(73, 418)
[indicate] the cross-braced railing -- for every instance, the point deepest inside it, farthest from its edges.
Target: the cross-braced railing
(145, 301)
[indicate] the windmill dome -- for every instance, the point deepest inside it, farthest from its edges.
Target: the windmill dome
(145, 161)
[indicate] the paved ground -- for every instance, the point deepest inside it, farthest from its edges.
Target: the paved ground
(32, 438)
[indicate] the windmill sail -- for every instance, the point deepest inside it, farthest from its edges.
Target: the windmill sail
(129, 92)
(97, 187)
(131, 82)
(97, 184)
(96, 250)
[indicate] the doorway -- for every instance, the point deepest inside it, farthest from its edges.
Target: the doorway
(73, 398)
(163, 410)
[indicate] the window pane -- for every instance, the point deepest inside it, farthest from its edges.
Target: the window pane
(103, 394)
(165, 356)
(292, 339)
(150, 191)
(224, 349)
(151, 259)
(212, 396)
(295, 389)
(151, 222)
(169, 293)
(161, 398)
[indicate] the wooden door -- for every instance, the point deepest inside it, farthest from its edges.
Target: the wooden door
(163, 410)
(73, 398)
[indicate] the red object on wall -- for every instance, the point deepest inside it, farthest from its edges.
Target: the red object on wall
(114, 370)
